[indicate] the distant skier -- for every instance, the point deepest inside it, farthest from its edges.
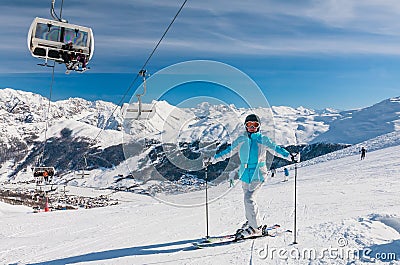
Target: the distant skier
(273, 172)
(363, 151)
(252, 171)
(46, 176)
(231, 181)
(286, 173)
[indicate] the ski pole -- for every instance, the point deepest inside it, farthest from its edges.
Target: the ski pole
(206, 164)
(207, 236)
(295, 200)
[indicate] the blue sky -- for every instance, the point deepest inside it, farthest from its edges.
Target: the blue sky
(342, 54)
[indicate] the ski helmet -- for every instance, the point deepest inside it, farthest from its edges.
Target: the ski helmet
(253, 117)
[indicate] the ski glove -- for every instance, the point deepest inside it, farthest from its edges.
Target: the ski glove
(295, 157)
(207, 161)
(213, 160)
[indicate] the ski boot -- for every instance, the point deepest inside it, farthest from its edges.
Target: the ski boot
(244, 226)
(248, 232)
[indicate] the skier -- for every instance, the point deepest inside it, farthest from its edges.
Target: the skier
(46, 176)
(273, 172)
(65, 52)
(286, 173)
(363, 151)
(252, 170)
(81, 61)
(231, 181)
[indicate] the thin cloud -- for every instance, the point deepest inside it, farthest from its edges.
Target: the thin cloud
(208, 28)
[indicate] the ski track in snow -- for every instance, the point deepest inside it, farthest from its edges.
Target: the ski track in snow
(341, 201)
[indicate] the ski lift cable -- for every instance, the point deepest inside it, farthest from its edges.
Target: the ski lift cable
(54, 15)
(61, 9)
(47, 115)
(165, 33)
(120, 103)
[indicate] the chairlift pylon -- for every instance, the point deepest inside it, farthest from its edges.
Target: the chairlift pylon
(140, 111)
(83, 174)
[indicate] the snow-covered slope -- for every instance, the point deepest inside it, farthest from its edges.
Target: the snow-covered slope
(363, 124)
(344, 205)
(380, 142)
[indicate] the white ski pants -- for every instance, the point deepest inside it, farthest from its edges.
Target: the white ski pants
(250, 205)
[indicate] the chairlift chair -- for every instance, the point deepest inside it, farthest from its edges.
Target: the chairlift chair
(140, 111)
(42, 173)
(39, 171)
(82, 174)
(47, 39)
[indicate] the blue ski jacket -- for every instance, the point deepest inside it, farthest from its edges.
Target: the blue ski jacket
(252, 155)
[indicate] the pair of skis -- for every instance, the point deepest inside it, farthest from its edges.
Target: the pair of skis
(271, 231)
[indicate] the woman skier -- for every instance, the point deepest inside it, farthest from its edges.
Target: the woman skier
(252, 171)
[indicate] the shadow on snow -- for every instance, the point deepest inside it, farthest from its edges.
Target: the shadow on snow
(164, 248)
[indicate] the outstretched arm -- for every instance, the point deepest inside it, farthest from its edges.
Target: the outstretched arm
(264, 140)
(230, 148)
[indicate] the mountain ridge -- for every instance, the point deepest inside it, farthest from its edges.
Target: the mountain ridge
(23, 121)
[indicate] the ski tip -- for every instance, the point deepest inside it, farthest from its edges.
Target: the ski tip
(272, 227)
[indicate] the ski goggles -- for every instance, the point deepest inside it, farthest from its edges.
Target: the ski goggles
(252, 124)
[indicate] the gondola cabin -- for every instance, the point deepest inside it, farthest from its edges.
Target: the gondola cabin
(47, 39)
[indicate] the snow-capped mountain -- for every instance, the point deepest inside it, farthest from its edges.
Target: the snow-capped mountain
(24, 113)
(363, 124)
(75, 128)
(23, 116)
